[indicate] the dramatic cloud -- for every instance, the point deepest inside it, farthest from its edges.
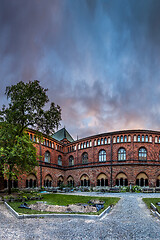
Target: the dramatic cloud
(98, 58)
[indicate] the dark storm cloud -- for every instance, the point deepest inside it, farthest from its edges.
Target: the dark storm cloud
(98, 58)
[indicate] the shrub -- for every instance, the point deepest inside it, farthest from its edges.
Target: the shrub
(136, 189)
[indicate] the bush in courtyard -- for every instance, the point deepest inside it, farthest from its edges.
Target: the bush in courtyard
(125, 189)
(136, 189)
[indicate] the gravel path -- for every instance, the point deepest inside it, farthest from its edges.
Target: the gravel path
(129, 219)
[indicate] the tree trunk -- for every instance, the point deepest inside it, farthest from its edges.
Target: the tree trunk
(9, 183)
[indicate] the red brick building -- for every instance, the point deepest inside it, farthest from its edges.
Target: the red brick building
(116, 158)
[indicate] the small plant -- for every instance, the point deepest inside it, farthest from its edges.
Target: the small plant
(61, 186)
(24, 198)
(125, 189)
(136, 188)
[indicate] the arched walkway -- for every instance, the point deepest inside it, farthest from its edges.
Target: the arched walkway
(60, 181)
(121, 180)
(102, 180)
(85, 182)
(31, 181)
(70, 181)
(142, 180)
(48, 181)
(158, 181)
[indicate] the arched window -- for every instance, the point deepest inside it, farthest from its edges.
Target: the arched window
(158, 181)
(125, 138)
(48, 181)
(31, 137)
(84, 158)
(114, 139)
(102, 156)
(105, 141)
(85, 182)
(121, 180)
(87, 144)
(101, 140)
(71, 161)
(121, 138)
(142, 180)
(47, 157)
(142, 154)
(98, 141)
(142, 138)
(102, 180)
(139, 139)
(121, 154)
(59, 160)
(70, 181)
(118, 139)
(146, 138)
(150, 138)
(34, 138)
(60, 181)
(31, 181)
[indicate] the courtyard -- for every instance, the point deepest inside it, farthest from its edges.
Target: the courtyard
(129, 219)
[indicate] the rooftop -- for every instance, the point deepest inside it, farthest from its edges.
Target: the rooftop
(63, 134)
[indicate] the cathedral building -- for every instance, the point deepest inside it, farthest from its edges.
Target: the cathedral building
(110, 159)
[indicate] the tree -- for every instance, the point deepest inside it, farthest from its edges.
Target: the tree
(17, 152)
(26, 109)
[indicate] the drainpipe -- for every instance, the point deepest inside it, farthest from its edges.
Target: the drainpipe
(111, 161)
(40, 150)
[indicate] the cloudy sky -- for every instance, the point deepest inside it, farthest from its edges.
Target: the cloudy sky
(100, 59)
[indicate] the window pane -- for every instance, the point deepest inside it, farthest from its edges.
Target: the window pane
(102, 156)
(142, 154)
(121, 154)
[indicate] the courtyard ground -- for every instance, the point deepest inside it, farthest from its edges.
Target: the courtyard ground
(129, 219)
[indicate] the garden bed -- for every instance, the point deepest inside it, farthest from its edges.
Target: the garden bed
(64, 200)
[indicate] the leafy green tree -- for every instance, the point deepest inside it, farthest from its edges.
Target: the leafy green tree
(17, 152)
(25, 109)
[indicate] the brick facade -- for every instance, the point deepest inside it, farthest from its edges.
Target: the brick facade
(138, 163)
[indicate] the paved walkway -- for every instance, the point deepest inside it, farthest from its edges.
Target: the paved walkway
(129, 219)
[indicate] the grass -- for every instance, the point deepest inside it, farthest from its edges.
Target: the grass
(63, 200)
(148, 202)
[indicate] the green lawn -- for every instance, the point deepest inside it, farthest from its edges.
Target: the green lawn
(148, 202)
(64, 200)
